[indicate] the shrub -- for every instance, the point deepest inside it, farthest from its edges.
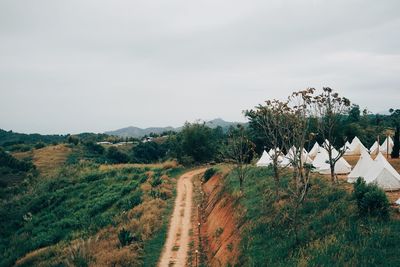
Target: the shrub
(116, 156)
(125, 237)
(371, 200)
(209, 173)
(79, 254)
(39, 145)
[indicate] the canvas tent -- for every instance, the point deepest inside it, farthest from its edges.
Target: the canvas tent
(290, 156)
(374, 148)
(361, 168)
(383, 174)
(346, 146)
(321, 163)
(265, 160)
(355, 147)
(388, 144)
(314, 150)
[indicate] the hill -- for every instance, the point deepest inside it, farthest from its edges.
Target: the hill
(137, 132)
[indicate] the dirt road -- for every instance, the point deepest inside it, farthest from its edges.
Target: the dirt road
(176, 247)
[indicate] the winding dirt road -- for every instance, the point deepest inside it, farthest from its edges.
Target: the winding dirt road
(176, 247)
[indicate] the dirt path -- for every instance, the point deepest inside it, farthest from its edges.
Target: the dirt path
(176, 247)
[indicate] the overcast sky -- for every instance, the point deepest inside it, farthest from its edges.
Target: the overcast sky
(77, 66)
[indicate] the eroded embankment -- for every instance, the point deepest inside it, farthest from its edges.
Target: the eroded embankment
(219, 230)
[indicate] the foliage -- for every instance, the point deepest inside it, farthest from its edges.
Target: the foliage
(125, 237)
(371, 200)
(148, 152)
(197, 143)
(208, 174)
(116, 156)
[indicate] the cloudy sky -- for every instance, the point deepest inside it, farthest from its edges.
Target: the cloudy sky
(74, 66)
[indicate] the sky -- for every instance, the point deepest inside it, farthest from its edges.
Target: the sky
(92, 66)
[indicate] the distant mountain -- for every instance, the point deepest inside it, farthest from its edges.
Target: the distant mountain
(137, 132)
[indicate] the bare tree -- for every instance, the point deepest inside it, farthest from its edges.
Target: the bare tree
(273, 120)
(239, 151)
(329, 108)
(300, 106)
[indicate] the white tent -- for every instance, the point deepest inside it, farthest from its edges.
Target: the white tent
(355, 147)
(314, 150)
(321, 158)
(398, 201)
(383, 174)
(384, 146)
(361, 168)
(321, 163)
(346, 146)
(290, 156)
(374, 148)
(265, 160)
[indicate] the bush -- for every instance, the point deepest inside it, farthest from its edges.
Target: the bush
(125, 237)
(209, 173)
(39, 145)
(371, 200)
(116, 156)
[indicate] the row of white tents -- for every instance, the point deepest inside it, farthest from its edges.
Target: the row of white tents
(378, 171)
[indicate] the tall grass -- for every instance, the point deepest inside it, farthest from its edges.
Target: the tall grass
(331, 233)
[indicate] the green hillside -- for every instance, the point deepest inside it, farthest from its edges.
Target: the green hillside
(330, 230)
(118, 210)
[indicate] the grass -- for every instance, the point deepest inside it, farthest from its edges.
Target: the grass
(330, 231)
(83, 201)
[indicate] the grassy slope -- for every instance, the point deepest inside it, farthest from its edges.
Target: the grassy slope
(330, 233)
(77, 203)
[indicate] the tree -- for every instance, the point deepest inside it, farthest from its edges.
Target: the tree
(239, 150)
(395, 116)
(117, 156)
(272, 119)
(148, 152)
(197, 143)
(329, 108)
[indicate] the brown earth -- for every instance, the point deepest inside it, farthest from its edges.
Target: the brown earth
(219, 230)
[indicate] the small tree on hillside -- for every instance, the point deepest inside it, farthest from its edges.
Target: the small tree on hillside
(299, 103)
(239, 151)
(273, 119)
(329, 108)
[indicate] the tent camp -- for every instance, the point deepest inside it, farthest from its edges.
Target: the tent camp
(388, 144)
(361, 168)
(383, 174)
(374, 148)
(314, 150)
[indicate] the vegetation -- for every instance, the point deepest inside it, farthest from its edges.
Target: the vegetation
(371, 200)
(86, 202)
(209, 173)
(331, 229)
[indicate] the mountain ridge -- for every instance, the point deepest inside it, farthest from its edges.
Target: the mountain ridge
(137, 132)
